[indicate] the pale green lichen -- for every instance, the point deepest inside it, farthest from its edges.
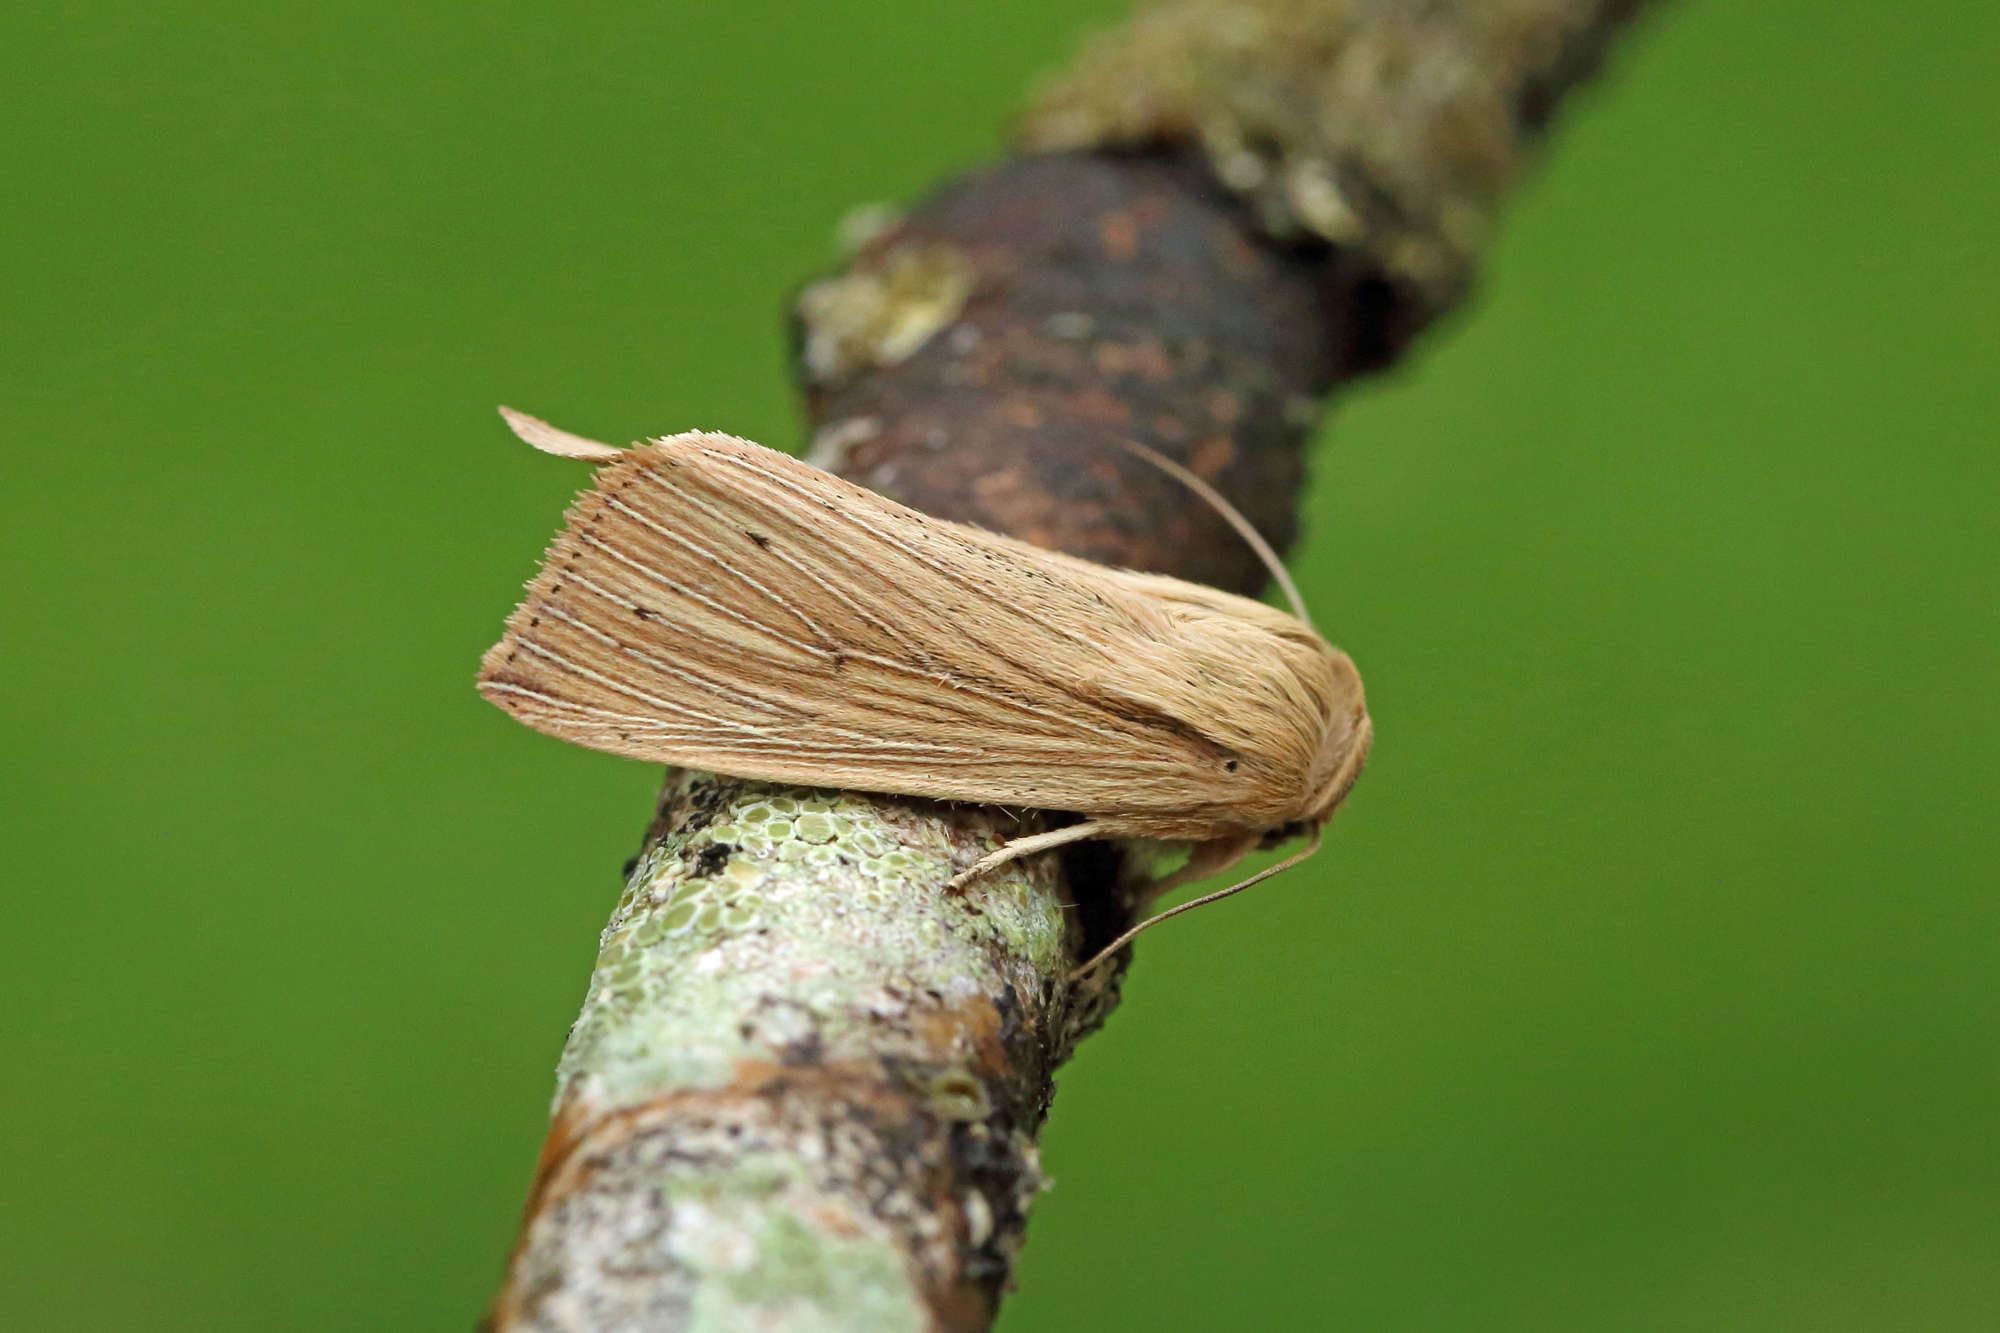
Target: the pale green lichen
(757, 1261)
(882, 311)
(793, 916)
(805, 1278)
(691, 1230)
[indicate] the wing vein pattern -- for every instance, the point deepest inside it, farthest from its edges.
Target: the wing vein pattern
(718, 605)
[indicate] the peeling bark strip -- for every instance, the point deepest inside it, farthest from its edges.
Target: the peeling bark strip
(805, 1087)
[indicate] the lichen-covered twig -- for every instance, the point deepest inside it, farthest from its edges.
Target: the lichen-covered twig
(787, 1092)
(806, 1085)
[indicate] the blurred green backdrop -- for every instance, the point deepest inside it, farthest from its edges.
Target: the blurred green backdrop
(1650, 982)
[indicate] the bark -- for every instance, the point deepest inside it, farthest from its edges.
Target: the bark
(805, 1088)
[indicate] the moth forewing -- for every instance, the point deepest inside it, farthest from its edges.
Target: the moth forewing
(718, 605)
(557, 441)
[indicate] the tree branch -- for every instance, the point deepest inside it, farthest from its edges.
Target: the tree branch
(806, 1084)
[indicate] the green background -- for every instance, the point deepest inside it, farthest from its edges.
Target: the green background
(1651, 978)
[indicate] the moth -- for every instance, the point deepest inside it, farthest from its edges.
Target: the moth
(713, 604)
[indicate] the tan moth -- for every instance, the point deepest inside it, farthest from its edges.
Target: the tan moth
(717, 605)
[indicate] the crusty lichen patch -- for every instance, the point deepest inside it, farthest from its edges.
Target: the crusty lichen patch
(794, 925)
(766, 1249)
(727, 1215)
(1390, 130)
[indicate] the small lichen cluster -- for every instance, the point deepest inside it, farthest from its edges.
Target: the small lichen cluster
(790, 919)
(882, 310)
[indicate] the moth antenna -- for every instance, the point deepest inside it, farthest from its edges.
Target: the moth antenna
(1231, 515)
(1192, 903)
(555, 440)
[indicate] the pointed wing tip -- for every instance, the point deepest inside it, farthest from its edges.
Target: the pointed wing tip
(491, 664)
(555, 440)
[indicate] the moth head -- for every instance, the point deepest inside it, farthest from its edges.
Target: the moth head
(1343, 746)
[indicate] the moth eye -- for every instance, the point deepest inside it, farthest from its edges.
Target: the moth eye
(1229, 766)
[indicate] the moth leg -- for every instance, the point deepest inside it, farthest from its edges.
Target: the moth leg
(1189, 906)
(1205, 859)
(1017, 848)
